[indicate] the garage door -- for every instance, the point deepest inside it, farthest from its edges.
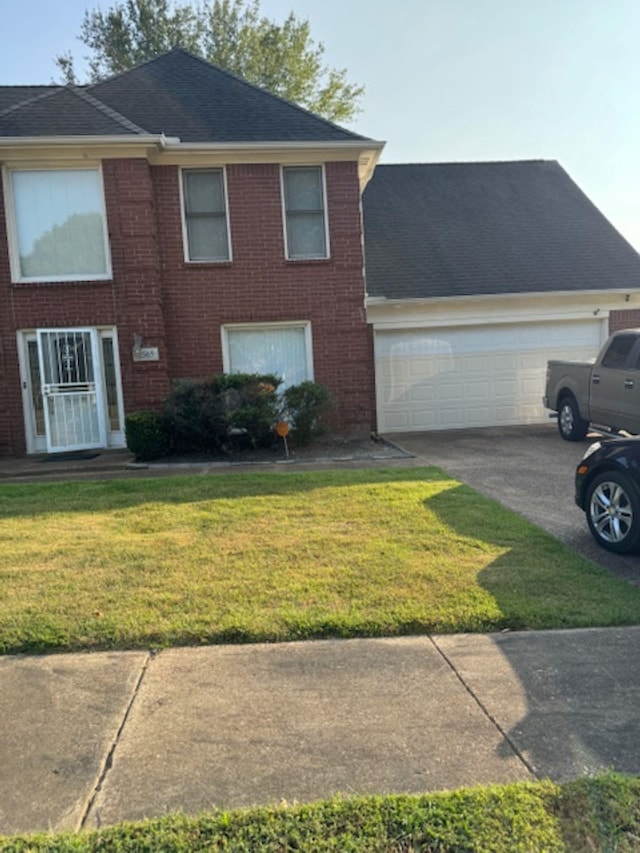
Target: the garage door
(472, 376)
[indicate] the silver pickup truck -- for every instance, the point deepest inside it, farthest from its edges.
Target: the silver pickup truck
(605, 393)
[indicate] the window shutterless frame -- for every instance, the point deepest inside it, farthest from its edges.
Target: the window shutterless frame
(302, 212)
(205, 213)
(267, 363)
(42, 226)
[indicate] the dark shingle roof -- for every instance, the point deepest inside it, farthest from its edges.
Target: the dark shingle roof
(459, 229)
(10, 96)
(64, 111)
(177, 94)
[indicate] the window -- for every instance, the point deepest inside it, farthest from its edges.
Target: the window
(304, 212)
(205, 215)
(58, 229)
(616, 355)
(111, 381)
(283, 349)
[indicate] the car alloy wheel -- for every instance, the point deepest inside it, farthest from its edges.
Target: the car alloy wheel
(613, 512)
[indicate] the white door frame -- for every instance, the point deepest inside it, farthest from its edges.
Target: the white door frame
(74, 412)
(110, 431)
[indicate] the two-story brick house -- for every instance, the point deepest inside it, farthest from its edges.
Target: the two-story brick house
(170, 222)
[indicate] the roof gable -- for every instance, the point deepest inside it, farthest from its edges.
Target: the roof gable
(462, 229)
(183, 96)
(176, 94)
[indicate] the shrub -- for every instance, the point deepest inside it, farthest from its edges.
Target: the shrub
(251, 405)
(305, 408)
(195, 416)
(213, 414)
(146, 435)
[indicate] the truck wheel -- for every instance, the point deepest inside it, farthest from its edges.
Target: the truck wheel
(570, 425)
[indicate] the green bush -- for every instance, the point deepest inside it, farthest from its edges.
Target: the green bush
(251, 406)
(195, 416)
(215, 414)
(146, 435)
(305, 408)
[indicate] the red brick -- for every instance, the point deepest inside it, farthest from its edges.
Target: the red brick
(180, 307)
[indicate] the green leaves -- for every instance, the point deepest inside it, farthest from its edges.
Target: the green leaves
(232, 34)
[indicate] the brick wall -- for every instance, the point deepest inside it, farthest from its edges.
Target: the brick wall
(137, 279)
(132, 301)
(624, 320)
(8, 357)
(260, 285)
(180, 307)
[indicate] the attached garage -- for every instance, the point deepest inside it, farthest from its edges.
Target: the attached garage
(477, 274)
(472, 376)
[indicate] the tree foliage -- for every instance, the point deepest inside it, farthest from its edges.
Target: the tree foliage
(233, 34)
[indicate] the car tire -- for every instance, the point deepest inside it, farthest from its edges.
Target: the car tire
(613, 512)
(570, 425)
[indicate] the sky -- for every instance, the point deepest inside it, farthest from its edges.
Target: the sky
(447, 80)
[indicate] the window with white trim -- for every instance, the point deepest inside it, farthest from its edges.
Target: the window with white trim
(283, 349)
(304, 212)
(205, 215)
(57, 224)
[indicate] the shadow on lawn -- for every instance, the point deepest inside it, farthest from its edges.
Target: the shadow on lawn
(107, 495)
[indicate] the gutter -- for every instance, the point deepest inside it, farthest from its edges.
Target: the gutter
(160, 141)
(628, 292)
(366, 151)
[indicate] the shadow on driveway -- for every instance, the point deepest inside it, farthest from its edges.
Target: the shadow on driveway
(528, 469)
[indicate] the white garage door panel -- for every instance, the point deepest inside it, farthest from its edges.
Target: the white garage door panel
(472, 376)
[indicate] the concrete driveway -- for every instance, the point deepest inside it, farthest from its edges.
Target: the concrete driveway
(530, 470)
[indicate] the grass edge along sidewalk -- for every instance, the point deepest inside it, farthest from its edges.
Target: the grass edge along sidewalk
(596, 814)
(282, 556)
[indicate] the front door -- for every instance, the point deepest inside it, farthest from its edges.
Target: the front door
(72, 393)
(73, 407)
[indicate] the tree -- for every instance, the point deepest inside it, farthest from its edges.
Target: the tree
(233, 34)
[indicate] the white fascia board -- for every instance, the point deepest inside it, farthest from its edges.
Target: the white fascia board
(365, 152)
(634, 292)
(58, 149)
(159, 140)
(330, 145)
(492, 309)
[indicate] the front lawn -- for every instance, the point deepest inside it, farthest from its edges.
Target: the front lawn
(281, 556)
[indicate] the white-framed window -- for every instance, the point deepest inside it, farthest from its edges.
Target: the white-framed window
(305, 220)
(57, 224)
(204, 213)
(283, 349)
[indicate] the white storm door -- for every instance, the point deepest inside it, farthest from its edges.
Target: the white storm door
(69, 366)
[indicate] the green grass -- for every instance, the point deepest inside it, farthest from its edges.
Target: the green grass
(281, 556)
(594, 815)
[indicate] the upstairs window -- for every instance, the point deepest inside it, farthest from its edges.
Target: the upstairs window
(205, 215)
(57, 225)
(304, 212)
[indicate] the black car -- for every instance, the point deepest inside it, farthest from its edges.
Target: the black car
(608, 490)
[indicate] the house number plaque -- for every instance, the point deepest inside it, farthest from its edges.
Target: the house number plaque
(146, 354)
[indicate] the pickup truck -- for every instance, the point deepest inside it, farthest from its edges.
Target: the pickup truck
(604, 392)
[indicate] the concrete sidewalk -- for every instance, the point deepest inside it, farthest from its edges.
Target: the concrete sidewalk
(93, 739)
